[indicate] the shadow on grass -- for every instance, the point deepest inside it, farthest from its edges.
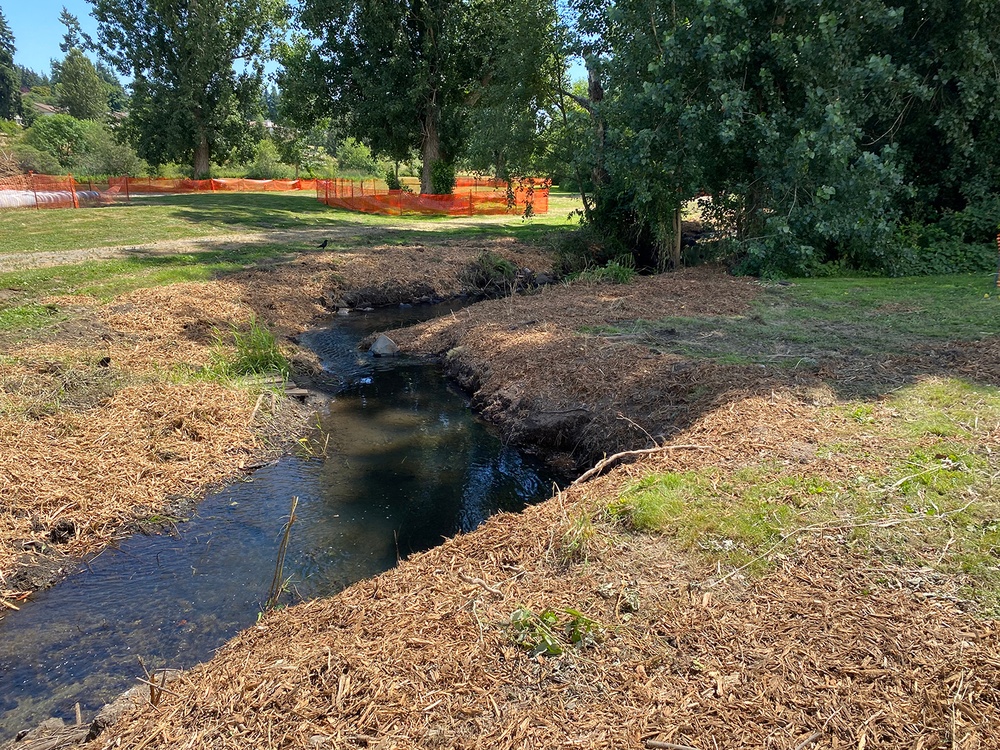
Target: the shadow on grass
(304, 212)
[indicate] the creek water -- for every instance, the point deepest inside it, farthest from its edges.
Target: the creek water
(407, 464)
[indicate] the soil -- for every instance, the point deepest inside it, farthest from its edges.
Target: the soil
(832, 647)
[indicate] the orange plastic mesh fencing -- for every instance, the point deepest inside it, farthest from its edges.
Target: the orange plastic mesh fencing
(528, 196)
(53, 191)
(137, 185)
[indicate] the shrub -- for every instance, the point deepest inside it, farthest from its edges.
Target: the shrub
(267, 163)
(620, 271)
(30, 159)
(491, 273)
(355, 156)
(442, 178)
(62, 136)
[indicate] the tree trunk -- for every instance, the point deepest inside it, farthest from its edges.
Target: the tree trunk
(430, 149)
(202, 156)
(595, 91)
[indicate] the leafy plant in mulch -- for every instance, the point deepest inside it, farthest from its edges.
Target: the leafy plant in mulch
(552, 631)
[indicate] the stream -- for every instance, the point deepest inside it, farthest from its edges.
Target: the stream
(407, 465)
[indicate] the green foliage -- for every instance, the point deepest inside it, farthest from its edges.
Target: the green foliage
(355, 156)
(442, 178)
(817, 127)
(267, 163)
(106, 156)
(81, 91)
(392, 179)
(190, 98)
(549, 632)
(615, 272)
(62, 136)
(254, 352)
(585, 248)
(10, 79)
(30, 159)
(491, 273)
(9, 128)
(404, 76)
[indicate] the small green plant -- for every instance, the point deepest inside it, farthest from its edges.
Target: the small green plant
(575, 540)
(491, 273)
(546, 633)
(615, 272)
(256, 352)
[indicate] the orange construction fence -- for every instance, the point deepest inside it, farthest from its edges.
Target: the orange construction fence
(130, 185)
(53, 191)
(477, 198)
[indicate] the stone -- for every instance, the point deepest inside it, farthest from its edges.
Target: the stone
(384, 347)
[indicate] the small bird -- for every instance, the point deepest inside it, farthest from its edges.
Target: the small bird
(323, 244)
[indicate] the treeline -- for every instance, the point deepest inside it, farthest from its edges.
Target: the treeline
(806, 136)
(829, 135)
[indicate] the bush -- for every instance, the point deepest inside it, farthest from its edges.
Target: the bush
(586, 248)
(171, 170)
(491, 273)
(355, 156)
(267, 163)
(9, 128)
(106, 156)
(62, 136)
(392, 180)
(30, 159)
(442, 178)
(620, 271)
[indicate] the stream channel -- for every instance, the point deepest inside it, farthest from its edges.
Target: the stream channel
(408, 464)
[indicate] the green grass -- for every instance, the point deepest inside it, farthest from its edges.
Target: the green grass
(253, 351)
(28, 317)
(933, 502)
(105, 279)
(815, 318)
(171, 217)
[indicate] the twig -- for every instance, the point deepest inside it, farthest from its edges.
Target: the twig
(809, 740)
(479, 582)
(605, 462)
(668, 745)
(7, 604)
(256, 408)
(159, 687)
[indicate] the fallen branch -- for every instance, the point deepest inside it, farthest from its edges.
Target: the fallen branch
(667, 745)
(479, 582)
(605, 462)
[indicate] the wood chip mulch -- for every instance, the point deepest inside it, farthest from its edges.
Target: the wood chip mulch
(823, 650)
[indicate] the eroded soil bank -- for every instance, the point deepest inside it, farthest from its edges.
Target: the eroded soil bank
(813, 621)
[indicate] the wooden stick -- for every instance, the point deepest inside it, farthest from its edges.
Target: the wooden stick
(604, 463)
(159, 688)
(668, 745)
(809, 740)
(479, 582)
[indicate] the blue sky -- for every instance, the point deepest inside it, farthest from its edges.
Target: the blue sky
(37, 31)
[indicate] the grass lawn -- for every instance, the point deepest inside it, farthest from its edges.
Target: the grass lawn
(173, 217)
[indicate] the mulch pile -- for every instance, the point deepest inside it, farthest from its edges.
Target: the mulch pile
(424, 656)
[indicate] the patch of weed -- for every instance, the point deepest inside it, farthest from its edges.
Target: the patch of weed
(29, 317)
(614, 272)
(254, 351)
(552, 631)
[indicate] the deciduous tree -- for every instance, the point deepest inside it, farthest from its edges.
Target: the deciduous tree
(196, 69)
(407, 74)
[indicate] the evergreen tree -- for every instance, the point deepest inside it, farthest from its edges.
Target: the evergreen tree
(10, 80)
(81, 91)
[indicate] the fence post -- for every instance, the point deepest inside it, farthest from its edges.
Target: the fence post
(470, 203)
(35, 192)
(72, 190)
(127, 196)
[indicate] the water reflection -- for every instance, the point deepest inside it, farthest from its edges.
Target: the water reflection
(407, 465)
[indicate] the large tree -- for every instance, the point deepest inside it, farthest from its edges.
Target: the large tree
(81, 90)
(10, 81)
(818, 127)
(196, 69)
(406, 75)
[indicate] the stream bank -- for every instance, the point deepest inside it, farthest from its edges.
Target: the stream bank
(396, 464)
